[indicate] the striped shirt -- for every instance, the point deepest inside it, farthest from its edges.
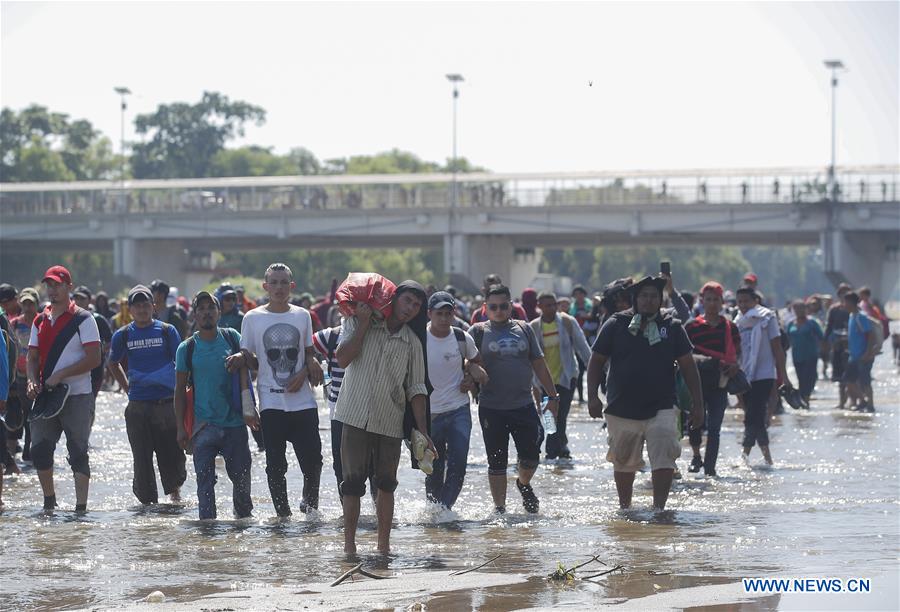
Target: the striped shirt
(389, 371)
(322, 340)
(712, 338)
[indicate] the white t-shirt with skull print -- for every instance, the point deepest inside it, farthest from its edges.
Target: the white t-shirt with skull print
(279, 341)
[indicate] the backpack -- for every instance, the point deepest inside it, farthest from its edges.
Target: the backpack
(477, 331)
(235, 403)
(460, 336)
(877, 330)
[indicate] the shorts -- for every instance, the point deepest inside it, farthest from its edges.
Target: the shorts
(364, 453)
(523, 424)
(859, 372)
(627, 436)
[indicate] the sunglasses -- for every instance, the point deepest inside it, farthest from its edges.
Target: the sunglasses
(503, 306)
(274, 354)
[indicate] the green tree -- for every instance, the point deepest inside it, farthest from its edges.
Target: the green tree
(251, 161)
(184, 139)
(39, 145)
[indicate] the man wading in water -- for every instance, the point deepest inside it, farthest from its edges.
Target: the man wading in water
(385, 368)
(642, 346)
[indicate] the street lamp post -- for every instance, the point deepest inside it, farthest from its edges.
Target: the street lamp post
(456, 79)
(122, 91)
(834, 66)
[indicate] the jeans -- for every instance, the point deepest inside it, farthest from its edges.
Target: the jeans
(806, 376)
(231, 443)
(450, 433)
(301, 429)
(715, 401)
(151, 430)
(756, 403)
(558, 443)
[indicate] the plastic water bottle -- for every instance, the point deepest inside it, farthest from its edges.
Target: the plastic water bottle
(547, 417)
(326, 380)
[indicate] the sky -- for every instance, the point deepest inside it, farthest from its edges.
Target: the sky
(548, 86)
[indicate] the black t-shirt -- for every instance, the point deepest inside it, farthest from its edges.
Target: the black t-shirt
(641, 379)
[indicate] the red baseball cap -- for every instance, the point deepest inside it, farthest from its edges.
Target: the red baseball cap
(750, 276)
(58, 274)
(714, 287)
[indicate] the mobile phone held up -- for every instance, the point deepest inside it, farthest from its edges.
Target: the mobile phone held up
(665, 267)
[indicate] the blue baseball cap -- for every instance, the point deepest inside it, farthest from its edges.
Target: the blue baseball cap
(439, 299)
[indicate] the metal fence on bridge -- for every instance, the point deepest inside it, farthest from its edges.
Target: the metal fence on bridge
(354, 192)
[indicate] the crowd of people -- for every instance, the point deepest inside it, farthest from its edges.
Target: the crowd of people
(653, 362)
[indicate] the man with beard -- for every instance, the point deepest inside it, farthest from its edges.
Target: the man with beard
(642, 345)
(384, 369)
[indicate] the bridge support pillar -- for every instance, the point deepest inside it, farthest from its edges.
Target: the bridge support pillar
(475, 256)
(864, 258)
(142, 261)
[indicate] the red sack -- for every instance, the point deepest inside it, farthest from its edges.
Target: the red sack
(367, 288)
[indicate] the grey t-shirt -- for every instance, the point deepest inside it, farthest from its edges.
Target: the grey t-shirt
(508, 351)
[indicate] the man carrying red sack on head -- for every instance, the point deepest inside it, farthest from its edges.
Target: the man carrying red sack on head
(385, 370)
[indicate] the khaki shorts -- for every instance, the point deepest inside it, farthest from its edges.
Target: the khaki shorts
(627, 436)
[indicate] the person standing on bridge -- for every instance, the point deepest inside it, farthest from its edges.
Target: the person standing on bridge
(277, 342)
(642, 346)
(63, 349)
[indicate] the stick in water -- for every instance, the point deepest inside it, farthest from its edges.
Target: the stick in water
(346, 575)
(460, 573)
(609, 571)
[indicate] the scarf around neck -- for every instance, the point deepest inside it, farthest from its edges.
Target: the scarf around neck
(651, 332)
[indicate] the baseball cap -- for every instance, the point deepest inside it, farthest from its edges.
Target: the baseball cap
(58, 274)
(439, 299)
(714, 287)
(204, 295)
(159, 286)
(139, 293)
(7, 292)
(751, 277)
(82, 291)
(29, 294)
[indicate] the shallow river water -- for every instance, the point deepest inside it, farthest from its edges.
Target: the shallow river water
(829, 508)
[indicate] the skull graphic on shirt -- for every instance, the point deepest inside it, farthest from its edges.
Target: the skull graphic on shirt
(282, 344)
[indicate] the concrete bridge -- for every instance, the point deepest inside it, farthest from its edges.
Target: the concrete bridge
(483, 222)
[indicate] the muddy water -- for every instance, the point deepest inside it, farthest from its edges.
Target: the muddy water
(828, 508)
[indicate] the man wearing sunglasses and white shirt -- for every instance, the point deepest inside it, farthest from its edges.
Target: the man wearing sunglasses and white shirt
(512, 357)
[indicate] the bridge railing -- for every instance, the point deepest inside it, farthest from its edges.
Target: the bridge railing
(324, 193)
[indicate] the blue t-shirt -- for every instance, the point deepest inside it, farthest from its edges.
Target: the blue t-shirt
(151, 360)
(805, 340)
(212, 382)
(857, 329)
